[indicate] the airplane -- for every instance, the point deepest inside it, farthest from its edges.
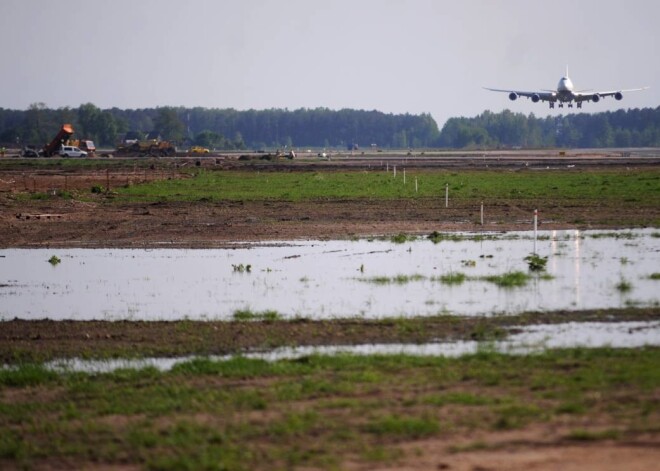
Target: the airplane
(565, 94)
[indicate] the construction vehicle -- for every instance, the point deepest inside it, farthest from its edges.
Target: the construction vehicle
(149, 147)
(83, 144)
(62, 136)
(198, 150)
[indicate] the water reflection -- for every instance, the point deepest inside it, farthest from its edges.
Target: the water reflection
(330, 279)
(529, 339)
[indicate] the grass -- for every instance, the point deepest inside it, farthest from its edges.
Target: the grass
(54, 260)
(512, 279)
(243, 185)
(316, 411)
(248, 315)
(397, 279)
(453, 278)
(624, 286)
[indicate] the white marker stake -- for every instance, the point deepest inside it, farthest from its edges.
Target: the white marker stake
(387, 168)
(536, 225)
(416, 188)
(395, 171)
(404, 176)
(446, 195)
(482, 213)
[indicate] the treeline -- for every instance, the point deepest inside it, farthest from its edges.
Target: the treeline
(224, 128)
(621, 128)
(322, 127)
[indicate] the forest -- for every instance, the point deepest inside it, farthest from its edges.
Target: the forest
(326, 128)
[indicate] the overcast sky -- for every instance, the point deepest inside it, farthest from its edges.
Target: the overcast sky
(395, 56)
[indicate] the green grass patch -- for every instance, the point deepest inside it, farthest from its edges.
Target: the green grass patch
(512, 279)
(315, 411)
(245, 315)
(454, 278)
(244, 185)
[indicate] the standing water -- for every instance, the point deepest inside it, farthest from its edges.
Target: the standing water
(333, 279)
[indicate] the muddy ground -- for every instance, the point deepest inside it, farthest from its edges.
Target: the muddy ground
(100, 221)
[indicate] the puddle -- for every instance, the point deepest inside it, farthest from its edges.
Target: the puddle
(530, 339)
(323, 280)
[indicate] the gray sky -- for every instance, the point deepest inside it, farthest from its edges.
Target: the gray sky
(395, 56)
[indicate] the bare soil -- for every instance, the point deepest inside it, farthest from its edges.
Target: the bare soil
(100, 221)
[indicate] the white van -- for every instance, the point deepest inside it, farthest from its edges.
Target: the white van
(70, 151)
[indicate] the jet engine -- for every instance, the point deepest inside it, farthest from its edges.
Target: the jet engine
(513, 96)
(618, 95)
(536, 98)
(595, 98)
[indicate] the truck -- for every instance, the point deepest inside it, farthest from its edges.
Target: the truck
(53, 147)
(63, 138)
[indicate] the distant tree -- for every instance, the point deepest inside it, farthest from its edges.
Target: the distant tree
(35, 125)
(209, 139)
(169, 125)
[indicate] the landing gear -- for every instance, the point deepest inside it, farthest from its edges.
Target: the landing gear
(552, 105)
(579, 104)
(561, 105)
(570, 105)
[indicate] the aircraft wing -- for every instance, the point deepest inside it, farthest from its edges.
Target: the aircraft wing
(534, 96)
(596, 96)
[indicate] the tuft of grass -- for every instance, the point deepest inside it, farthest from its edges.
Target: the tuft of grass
(536, 262)
(512, 279)
(54, 260)
(437, 237)
(401, 238)
(244, 315)
(624, 286)
(454, 278)
(654, 276)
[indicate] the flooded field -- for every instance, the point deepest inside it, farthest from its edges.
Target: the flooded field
(333, 279)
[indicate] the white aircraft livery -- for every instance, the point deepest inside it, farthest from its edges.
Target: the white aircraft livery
(565, 93)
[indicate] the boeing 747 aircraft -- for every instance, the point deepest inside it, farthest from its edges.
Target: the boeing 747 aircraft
(565, 94)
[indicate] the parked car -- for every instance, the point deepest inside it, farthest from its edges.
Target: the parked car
(71, 151)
